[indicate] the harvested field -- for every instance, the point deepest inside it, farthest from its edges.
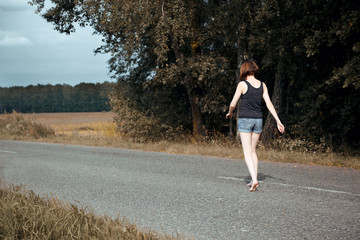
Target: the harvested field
(52, 119)
(81, 124)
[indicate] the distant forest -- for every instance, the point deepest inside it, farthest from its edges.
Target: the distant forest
(84, 97)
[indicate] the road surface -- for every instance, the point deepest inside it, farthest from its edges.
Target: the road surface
(195, 196)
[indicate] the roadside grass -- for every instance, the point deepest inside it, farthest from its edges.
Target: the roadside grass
(88, 129)
(24, 215)
(16, 124)
(78, 124)
(99, 129)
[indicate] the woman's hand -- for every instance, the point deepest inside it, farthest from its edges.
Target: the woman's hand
(280, 127)
(229, 115)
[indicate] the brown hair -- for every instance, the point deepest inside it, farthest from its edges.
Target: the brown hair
(249, 67)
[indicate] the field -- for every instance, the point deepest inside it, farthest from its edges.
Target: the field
(58, 119)
(82, 124)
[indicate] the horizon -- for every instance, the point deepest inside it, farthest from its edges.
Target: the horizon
(32, 52)
(61, 84)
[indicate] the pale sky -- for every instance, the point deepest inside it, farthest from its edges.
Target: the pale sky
(32, 52)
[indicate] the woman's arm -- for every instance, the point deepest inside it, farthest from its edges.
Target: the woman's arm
(272, 110)
(235, 99)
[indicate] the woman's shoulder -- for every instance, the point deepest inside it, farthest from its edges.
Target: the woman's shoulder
(261, 82)
(244, 84)
(264, 86)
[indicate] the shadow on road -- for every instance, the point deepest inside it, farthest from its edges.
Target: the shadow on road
(261, 177)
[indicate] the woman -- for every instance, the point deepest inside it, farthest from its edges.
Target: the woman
(251, 91)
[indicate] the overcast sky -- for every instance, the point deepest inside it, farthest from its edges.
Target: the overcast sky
(32, 52)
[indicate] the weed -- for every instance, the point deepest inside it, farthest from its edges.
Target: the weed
(19, 125)
(24, 215)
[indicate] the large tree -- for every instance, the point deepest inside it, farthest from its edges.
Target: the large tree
(169, 38)
(184, 54)
(329, 102)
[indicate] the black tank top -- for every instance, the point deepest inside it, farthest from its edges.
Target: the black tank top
(251, 102)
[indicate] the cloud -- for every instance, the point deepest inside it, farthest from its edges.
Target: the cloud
(14, 5)
(8, 41)
(32, 52)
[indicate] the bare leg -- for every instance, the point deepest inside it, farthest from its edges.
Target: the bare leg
(254, 140)
(246, 140)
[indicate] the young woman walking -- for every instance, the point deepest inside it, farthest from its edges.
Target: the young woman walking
(251, 91)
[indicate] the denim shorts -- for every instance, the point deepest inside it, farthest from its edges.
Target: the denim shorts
(248, 125)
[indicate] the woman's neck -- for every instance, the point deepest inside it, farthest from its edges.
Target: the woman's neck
(250, 78)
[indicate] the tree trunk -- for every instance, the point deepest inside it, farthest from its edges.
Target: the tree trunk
(199, 130)
(241, 57)
(270, 132)
(193, 95)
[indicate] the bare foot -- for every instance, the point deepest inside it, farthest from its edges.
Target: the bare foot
(254, 187)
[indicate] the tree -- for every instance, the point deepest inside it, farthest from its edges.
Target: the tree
(59, 98)
(184, 54)
(172, 32)
(332, 103)
(231, 27)
(276, 37)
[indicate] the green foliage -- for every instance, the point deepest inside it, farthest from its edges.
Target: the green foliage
(326, 107)
(143, 114)
(163, 51)
(137, 125)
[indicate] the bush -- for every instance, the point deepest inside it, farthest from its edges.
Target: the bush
(16, 124)
(137, 125)
(297, 145)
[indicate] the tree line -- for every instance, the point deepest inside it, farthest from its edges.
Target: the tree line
(84, 97)
(176, 62)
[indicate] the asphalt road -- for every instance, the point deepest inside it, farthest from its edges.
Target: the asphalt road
(199, 197)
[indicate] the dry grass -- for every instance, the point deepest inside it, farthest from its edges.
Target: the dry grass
(324, 159)
(98, 129)
(99, 124)
(79, 124)
(24, 215)
(55, 119)
(17, 124)
(101, 129)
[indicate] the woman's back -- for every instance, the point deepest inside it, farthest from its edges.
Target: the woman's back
(251, 100)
